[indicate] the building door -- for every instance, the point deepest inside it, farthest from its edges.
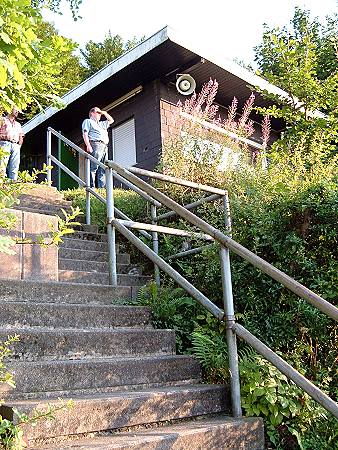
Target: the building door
(123, 144)
(70, 159)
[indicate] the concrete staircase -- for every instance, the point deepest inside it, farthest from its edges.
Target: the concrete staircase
(130, 390)
(83, 258)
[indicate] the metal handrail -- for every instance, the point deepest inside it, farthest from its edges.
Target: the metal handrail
(319, 396)
(89, 190)
(89, 157)
(228, 242)
(232, 329)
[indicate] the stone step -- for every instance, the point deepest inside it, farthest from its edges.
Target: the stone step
(218, 433)
(91, 255)
(54, 292)
(49, 210)
(78, 276)
(87, 236)
(26, 314)
(122, 409)
(95, 266)
(82, 244)
(46, 344)
(75, 377)
(43, 199)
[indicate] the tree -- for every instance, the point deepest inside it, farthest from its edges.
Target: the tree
(70, 67)
(323, 38)
(98, 54)
(54, 5)
(29, 66)
(302, 60)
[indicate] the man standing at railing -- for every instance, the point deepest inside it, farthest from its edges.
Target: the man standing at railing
(11, 138)
(96, 139)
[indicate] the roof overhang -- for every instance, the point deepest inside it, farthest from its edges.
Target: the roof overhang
(157, 56)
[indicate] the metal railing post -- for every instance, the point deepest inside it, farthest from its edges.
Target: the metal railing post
(87, 180)
(110, 227)
(155, 244)
(229, 316)
(227, 216)
(48, 155)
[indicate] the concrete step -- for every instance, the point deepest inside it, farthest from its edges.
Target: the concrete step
(46, 344)
(42, 198)
(75, 377)
(26, 314)
(218, 433)
(91, 255)
(49, 210)
(122, 409)
(86, 236)
(78, 276)
(54, 292)
(95, 266)
(83, 244)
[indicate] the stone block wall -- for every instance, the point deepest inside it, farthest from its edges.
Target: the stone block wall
(30, 261)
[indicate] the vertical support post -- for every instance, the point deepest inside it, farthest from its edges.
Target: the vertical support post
(48, 155)
(87, 180)
(110, 227)
(227, 215)
(230, 316)
(230, 335)
(155, 244)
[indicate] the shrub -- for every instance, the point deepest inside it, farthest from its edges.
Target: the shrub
(126, 201)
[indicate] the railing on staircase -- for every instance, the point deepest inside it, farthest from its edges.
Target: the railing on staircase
(206, 232)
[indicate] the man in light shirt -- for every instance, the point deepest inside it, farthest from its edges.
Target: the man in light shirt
(11, 138)
(96, 139)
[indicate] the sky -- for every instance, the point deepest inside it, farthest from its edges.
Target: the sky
(230, 27)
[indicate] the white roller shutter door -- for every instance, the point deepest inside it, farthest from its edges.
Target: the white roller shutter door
(124, 146)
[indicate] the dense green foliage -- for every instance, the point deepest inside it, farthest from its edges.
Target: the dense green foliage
(70, 68)
(33, 56)
(29, 66)
(127, 201)
(302, 60)
(323, 43)
(98, 54)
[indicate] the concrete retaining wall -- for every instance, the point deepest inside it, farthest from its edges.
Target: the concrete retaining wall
(31, 261)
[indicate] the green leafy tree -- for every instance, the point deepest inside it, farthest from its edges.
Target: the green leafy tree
(302, 60)
(98, 54)
(55, 5)
(70, 67)
(29, 66)
(324, 41)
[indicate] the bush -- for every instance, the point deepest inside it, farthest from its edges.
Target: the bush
(287, 215)
(125, 200)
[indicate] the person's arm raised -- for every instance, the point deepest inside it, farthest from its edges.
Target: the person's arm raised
(108, 117)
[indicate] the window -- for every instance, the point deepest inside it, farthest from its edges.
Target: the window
(123, 144)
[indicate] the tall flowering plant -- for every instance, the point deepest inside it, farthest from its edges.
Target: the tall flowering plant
(207, 140)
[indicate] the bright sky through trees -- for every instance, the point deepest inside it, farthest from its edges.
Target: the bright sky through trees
(233, 27)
